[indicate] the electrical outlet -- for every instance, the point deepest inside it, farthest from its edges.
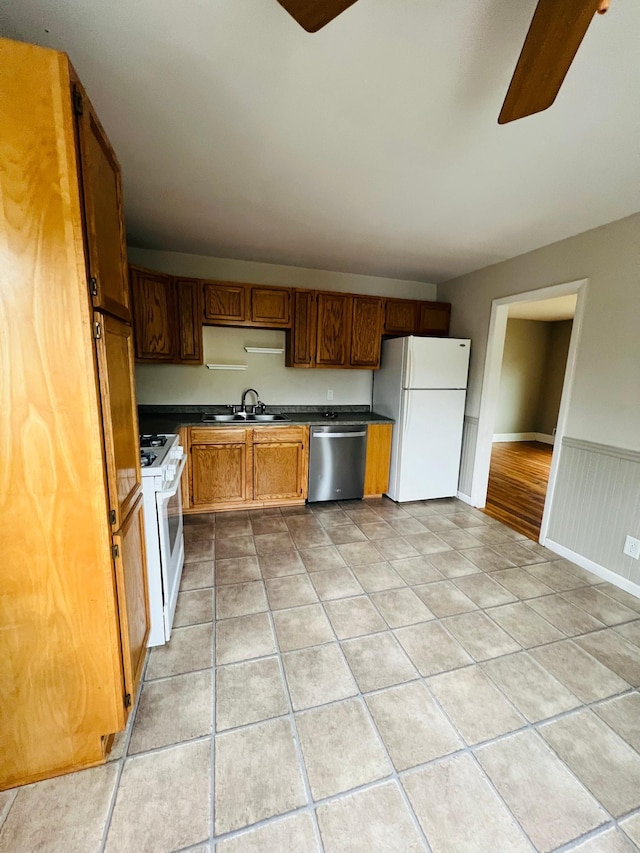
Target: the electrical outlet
(329, 395)
(632, 547)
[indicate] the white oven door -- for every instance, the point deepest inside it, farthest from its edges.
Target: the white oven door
(170, 530)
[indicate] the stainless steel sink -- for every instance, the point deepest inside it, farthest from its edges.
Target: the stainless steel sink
(210, 417)
(267, 418)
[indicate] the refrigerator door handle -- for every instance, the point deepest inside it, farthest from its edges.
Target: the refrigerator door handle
(409, 372)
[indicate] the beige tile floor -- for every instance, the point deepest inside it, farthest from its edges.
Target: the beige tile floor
(364, 677)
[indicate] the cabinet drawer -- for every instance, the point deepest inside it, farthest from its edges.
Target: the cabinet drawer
(218, 435)
(275, 434)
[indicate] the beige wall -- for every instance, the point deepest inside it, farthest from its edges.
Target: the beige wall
(605, 405)
(532, 376)
(522, 376)
(554, 369)
(278, 385)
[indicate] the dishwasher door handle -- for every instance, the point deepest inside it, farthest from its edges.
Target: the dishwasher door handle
(339, 434)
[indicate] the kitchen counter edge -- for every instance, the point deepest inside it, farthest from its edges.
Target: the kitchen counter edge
(170, 423)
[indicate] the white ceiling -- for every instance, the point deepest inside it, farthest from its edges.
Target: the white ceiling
(369, 147)
(559, 308)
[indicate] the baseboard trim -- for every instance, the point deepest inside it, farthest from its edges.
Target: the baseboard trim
(594, 568)
(544, 438)
(503, 437)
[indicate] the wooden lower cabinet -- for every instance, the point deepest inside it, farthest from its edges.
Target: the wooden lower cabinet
(376, 473)
(234, 468)
(219, 474)
(280, 464)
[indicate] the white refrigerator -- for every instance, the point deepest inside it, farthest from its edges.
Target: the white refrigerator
(422, 384)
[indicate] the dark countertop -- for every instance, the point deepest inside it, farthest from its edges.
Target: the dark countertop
(168, 419)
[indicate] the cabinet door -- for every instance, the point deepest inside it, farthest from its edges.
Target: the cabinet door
(301, 340)
(225, 303)
(400, 317)
(133, 604)
(270, 306)
(104, 221)
(154, 316)
(333, 330)
(434, 318)
(189, 295)
(114, 346)
(366, 332)
(376, 473)
(278, 471)
(218, 473)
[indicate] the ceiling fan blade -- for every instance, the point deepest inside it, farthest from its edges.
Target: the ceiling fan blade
(314, 14)
(555, 34)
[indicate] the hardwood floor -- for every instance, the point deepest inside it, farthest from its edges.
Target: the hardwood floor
(518, 480)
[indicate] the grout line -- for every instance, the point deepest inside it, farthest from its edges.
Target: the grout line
(212, 748)
(296, 739)
(380, 739)
(120, 762)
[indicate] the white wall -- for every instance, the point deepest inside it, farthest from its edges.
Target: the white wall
(605, 406)
(277, 384)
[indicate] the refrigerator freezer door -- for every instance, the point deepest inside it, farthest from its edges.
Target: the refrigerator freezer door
(436, 363)
(430, 443)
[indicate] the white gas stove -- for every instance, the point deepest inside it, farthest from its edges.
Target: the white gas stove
(163, 461)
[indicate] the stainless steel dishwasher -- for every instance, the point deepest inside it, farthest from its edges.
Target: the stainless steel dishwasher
(336, 462)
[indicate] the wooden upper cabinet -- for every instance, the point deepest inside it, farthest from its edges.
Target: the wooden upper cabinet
(114, 346)
(101, 187)
(235, 304)
(225, 303)
(301, 339)
(434, 318)
(154, 315)
(366, 332)
(189, 296)
(333, 330)
(133, 605)
(400, 317)
(270, 306)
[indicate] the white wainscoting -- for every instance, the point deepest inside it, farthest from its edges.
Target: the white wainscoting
(595, 505)
(467, 458)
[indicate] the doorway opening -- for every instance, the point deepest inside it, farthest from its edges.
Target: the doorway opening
(531, 355)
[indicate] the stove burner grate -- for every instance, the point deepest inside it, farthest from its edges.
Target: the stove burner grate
(153, 440)
(147, 458)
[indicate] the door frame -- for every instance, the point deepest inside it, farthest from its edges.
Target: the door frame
(491, 387)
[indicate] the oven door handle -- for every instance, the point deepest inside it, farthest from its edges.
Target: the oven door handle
(166, 495)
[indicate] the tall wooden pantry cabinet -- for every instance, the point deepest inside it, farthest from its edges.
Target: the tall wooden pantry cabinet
(73, 600)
